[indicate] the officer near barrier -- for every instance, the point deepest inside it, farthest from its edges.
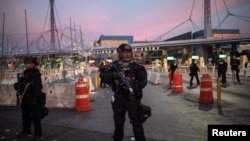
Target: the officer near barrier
(235, 67)
(127, 79)
(222, 69)
(30, 86)
(106, 68)
(194, 69)
(102, 73)
(171, 71)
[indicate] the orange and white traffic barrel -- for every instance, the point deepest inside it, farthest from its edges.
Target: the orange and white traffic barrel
(82, 96)
(206, 91)
(177, 83)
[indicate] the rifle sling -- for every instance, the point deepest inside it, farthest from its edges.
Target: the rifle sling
(25, 89)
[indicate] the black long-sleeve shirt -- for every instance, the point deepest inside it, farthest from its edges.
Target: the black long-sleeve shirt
(34, 90)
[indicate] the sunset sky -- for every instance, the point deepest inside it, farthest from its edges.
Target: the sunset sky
(143, 19)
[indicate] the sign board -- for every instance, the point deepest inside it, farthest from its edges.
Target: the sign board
(170, 58)
(91, 61)
(47, 63)
(109, 60)
(60, 62)
(222, 55)
(10, 65)
(195, 57)
(21, 65)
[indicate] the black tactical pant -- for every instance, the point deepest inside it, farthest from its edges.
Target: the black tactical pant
(102, 81)
(237, 71)
(196, 77)
(120, 106)
(223, 75)
(29, 116)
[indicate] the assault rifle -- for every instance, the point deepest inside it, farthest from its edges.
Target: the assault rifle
(123, 79)
(18, 89)
(20, 86)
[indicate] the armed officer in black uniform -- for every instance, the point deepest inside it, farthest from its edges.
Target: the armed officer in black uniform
(102, 72)
(123, 100)
(30, 85)
(222, 69)
(235, 67)
(194, 69)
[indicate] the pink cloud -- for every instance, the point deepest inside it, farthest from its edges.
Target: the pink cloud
(96, 18)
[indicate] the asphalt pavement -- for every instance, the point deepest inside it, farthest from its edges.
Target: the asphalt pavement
(175, 116)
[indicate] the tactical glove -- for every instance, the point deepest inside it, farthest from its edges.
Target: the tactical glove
(115, 75)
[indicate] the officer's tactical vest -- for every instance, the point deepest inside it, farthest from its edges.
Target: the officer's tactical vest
(129, 72)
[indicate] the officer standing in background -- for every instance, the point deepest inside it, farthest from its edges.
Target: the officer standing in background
(136, 75)
(194, 69)
(106, 68)
(31, 86)
(102, 73)
(222, 69)
(171, 71)
(235, 67)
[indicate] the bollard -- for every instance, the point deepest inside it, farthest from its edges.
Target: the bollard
(88, 84)
(245, 77)
(97, 80)
(233, 76)
(218, 92)
(215, 73)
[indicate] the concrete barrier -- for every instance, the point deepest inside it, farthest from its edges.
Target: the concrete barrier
(60, 89)
(149, 75)
(59, 95)
(155, 78)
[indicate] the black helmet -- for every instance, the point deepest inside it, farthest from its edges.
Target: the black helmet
(30, 59)
(124, 47)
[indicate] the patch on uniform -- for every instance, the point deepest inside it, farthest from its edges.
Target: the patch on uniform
(127, 47)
